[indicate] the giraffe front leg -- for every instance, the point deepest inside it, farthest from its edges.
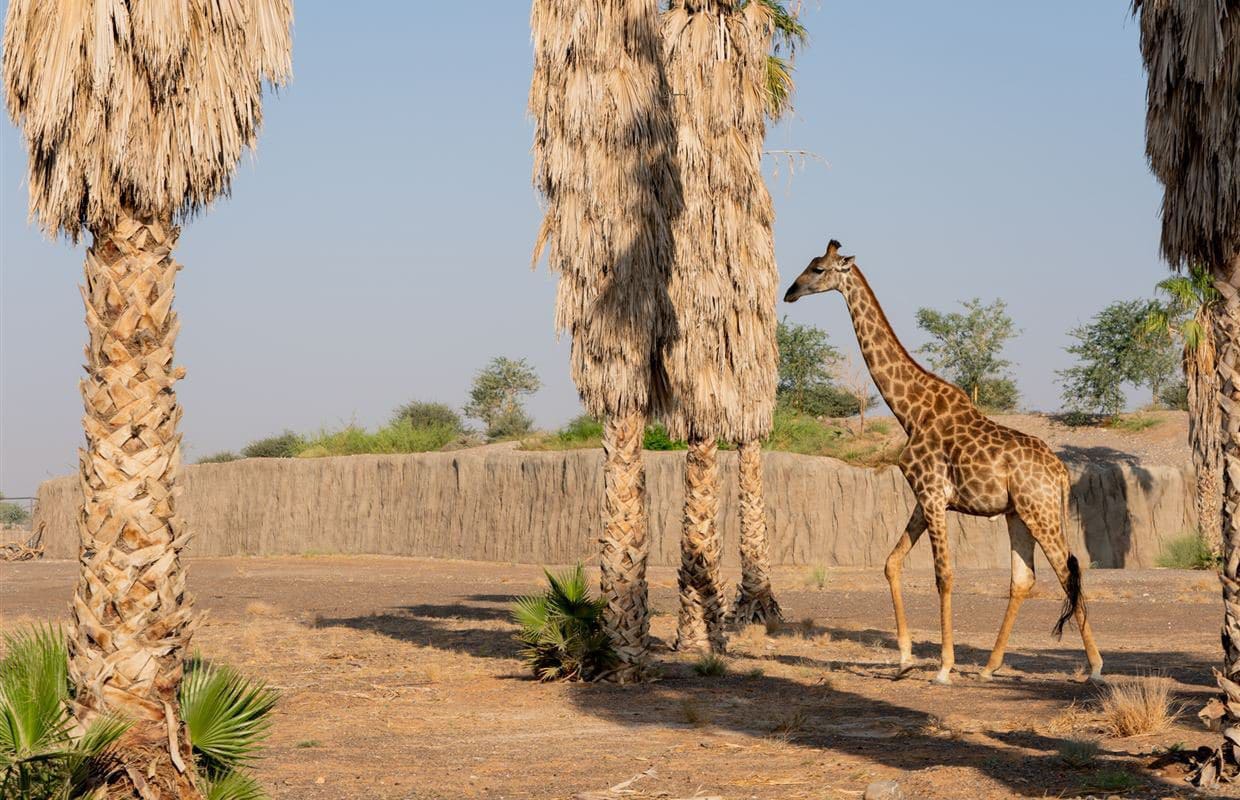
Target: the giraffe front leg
(895, 566)
(935, 509)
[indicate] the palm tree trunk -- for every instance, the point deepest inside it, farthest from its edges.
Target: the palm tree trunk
(701, 597)
(1225, 762)
(1204, 429)
(755, 600)
(132, 618)
(626, 546)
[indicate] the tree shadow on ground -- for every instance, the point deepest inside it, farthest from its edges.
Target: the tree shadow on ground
(824, 717)
(1182, 667)
(424, 625)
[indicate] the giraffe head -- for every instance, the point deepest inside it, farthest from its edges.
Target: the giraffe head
(825, 273)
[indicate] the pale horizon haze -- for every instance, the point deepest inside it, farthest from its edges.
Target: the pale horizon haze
(376, 246)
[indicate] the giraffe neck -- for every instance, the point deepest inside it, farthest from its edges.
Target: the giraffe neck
(900, 380)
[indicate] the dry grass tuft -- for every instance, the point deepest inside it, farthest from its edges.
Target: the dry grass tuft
(691, 712)
(711, 666)
(1138, 706)
(1068, 721)
(261, 609)
(789, 727)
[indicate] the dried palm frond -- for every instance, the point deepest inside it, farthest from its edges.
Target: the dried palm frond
(143, 106)
(722, 364)
(1192, 54)
(602, 160)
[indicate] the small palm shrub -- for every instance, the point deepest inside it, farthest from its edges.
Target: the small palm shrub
(561, 632)
(228, 717)
(38, 757)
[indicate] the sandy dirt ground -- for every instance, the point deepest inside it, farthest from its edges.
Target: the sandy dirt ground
(399, 681)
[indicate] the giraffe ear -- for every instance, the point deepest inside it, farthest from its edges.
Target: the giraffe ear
(846, 262)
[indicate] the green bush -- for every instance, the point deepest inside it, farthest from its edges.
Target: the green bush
(285, 445)
(1174, 396)
(561, 632)
(657, 438)
(421, 414)
(799, 433)
(1190, 551)
(582, 428)
(227, 715)
(398, 437)
(222, 457)
(1133, 423)
(11, 514)
(510, 424)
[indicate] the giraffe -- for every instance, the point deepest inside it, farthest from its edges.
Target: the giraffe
(957, 459)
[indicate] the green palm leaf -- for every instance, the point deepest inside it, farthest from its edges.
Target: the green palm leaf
(233, 785)
(561, 629)
(228, 715)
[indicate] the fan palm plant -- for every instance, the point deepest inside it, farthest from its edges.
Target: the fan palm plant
(135, 115)
(1192, 57)
(39, 757)
(227, 717)
(562, 632)
(1189, 314)
(602, 160)
(789, 33)
(722, 364)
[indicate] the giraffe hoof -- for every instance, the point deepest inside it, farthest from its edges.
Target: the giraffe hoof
(1096, 678)
(943, 678)
(904, 669)
(986, 675)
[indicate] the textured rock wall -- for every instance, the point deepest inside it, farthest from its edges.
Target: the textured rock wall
(499, 504)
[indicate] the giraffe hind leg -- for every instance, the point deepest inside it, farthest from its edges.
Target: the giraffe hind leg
(1046, 529)
(1023, 579)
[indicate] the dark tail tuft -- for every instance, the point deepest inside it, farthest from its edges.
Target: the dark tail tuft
(1073, 601)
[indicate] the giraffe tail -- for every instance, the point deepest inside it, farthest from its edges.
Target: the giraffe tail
(1072, 586)
(1073, 601)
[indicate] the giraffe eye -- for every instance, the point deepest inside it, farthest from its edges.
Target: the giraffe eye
(818, 269)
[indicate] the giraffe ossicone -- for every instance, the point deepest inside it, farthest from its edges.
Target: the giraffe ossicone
(957, 459)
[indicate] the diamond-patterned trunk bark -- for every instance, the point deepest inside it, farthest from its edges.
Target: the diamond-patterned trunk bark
(755, 599)
(626, 546)
(700, 626)
(132, 617)
(1224, 764)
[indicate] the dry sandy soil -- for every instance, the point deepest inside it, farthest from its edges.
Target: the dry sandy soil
(399, 681)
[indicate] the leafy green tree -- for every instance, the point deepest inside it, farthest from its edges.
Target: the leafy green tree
(1117, 347)
(967, 346)
(562, 636)
(496, 397)
(807, 366)
(11, 514)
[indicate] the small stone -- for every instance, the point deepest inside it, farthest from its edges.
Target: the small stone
(883, 790)
(320, 779)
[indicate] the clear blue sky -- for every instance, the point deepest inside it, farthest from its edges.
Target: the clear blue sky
(376, 248)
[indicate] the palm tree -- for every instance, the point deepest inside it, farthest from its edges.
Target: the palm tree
(1189, 313)
(722, 363)
(602, 150)
(135, 115)
(1192, 56)
(755, 598)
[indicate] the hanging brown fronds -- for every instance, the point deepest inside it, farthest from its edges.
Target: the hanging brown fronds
(138, 105)
(1192, 54)
(602, 160)
(722, 364)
